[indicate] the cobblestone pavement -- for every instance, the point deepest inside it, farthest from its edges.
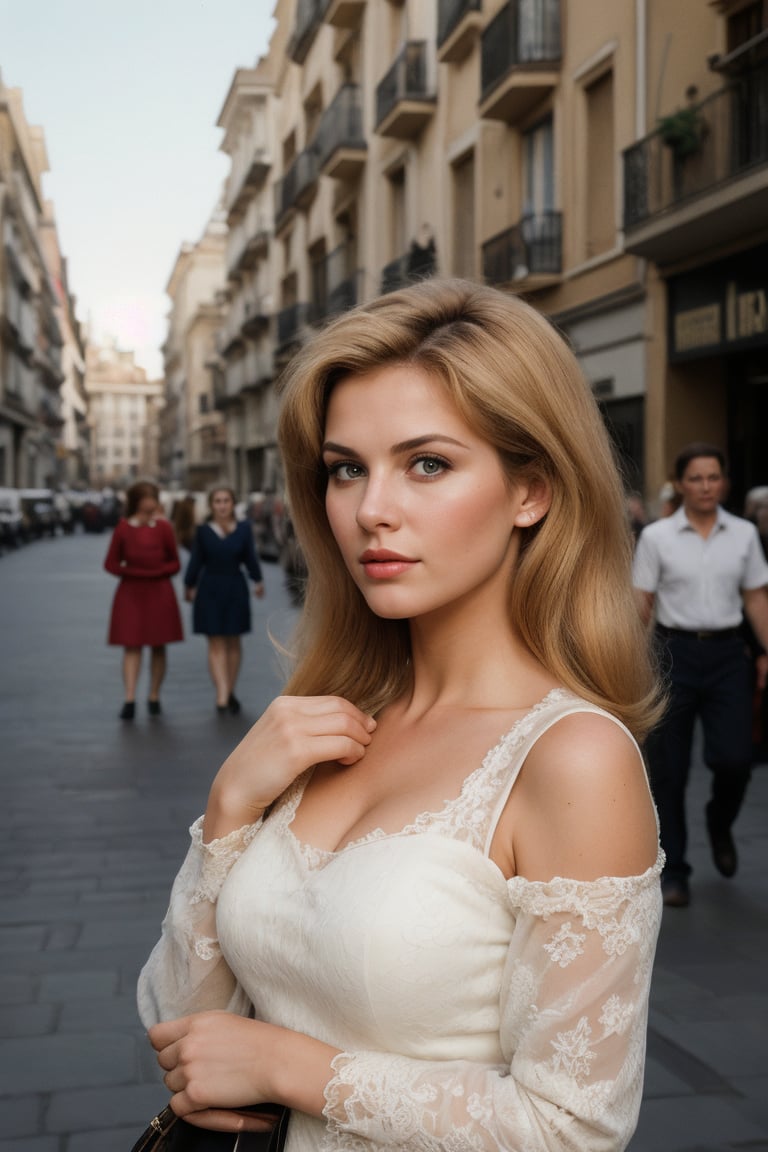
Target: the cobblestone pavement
(94, 826)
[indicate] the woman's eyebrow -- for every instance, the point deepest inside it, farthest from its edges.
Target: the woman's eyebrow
(401, 446)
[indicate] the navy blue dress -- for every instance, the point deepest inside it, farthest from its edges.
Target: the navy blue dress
(222, 606)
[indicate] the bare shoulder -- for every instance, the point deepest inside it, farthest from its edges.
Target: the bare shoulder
(583, 808)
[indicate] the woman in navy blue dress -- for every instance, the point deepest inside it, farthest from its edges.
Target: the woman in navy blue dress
(217, 588)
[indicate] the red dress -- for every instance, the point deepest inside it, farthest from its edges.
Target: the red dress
(145, 609)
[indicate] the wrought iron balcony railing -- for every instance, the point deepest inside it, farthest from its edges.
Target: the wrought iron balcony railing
(341, 125)
(407, 79)
(450, 13)
(523, 33)
(290, 321)
(297, 183)
(341, 283)
(532, 247)
(309, 17)
(696, 150)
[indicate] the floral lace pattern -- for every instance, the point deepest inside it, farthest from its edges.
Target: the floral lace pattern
(573, 968)
(466, 817)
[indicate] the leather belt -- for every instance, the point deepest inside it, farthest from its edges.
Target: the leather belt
(704, 634)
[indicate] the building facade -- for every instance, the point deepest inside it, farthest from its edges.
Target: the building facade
(528, 144)
(30, 336)
(122, 409)
(191, 446)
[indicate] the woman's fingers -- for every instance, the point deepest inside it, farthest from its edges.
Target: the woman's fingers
(224, 1119)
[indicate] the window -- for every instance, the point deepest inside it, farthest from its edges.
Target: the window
(464, 216)
(539, 170)
(601, 163)
(398, 234)
(204, 402)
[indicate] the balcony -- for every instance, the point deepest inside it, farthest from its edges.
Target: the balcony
(249, 182)
(298, 187)
(309, 17)
(528, 254)
(519, 59)
(405, 98)
(342, 283)
(345, 14)
(340, 144)
(700, 180)
(290, 322)
(458, 26)
(255, 316)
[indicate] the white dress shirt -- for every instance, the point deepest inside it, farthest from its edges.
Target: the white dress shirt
(698, 582)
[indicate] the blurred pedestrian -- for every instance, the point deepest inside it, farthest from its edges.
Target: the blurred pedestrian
(216, 586)
(184, 520)
(142, 553)
(756, 510)
(700, 570)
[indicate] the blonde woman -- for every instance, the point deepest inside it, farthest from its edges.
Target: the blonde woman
(425, 890)
(215, 585)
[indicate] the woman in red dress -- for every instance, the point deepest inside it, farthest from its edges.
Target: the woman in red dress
(142, 553)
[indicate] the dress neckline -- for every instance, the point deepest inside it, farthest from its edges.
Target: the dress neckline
(317, 858)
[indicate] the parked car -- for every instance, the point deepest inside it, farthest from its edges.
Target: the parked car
(12, 532)
(39, 510)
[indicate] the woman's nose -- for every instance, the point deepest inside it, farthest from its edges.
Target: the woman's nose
(378, 505)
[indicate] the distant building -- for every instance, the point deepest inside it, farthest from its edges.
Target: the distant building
(191, 445)
(30, 336)
(121, 405)
(73, 448)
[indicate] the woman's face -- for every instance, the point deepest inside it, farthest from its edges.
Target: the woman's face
(146, 508)
(222, 505)
(417, 501)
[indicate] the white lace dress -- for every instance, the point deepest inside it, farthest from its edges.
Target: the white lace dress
(473, 1012)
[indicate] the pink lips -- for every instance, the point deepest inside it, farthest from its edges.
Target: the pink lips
(380, 563)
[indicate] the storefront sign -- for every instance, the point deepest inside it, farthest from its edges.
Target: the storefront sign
(721, 307)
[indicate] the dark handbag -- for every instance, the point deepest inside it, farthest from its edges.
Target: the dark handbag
(167, 1133)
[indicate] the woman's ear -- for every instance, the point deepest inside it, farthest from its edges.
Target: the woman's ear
(533, 499)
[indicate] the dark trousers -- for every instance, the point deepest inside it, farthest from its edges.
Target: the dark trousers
(708, 678)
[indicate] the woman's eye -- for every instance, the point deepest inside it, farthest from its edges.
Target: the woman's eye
(345, 470)
(429, 466)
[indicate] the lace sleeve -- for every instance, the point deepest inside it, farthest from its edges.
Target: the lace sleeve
(574, 1006)
(186, 971)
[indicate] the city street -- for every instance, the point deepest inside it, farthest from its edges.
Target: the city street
(94, 821)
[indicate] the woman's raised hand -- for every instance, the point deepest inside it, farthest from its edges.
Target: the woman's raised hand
(294, 733)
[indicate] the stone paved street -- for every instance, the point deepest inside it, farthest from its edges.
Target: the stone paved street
(94, 825)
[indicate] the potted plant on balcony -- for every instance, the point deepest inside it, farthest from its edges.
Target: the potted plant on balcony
(683, 131)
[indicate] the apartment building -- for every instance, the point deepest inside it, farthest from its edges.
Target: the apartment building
(73, 447)
(191, 440)
(696, 209)
(30, 336)
(513, 141)
(122, 403)
(245, 367)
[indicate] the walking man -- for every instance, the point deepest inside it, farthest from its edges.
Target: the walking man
(701, 570)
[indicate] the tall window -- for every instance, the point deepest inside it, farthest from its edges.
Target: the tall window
(539, 170)
(398, 233)
(601, 165)
(464, 216)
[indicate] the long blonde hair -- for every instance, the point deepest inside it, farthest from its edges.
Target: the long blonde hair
(517, 384)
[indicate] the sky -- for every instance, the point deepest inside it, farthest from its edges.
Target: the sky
(128, 96)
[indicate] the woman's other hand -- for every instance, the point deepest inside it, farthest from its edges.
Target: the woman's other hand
(258, 590)
(217, 1062)
(189, 595)
(293, 734)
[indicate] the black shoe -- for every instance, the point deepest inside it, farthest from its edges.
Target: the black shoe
(675, 892)
(128, 710)
(233, 704)
(723, 848)
(153, 707)
(222, 709)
